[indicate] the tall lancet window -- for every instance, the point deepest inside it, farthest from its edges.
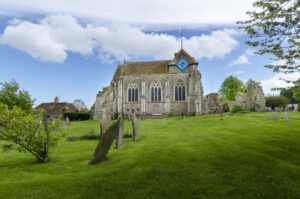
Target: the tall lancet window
(179, 91)
(156, 91)
(133, 93)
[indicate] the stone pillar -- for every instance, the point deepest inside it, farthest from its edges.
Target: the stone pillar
(120, 97)
(119, 141)
(143, 98)
(167, 96)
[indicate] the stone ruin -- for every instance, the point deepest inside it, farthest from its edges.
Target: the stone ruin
(252, 99)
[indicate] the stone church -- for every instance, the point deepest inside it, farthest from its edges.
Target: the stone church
(168, 87)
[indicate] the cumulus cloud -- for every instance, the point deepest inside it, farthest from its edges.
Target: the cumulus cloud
(278, 82)
(136, 11)
(52, 37)
(239, 61)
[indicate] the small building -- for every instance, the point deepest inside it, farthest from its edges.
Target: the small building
(56, 108)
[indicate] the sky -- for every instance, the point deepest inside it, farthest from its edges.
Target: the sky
(71, 49)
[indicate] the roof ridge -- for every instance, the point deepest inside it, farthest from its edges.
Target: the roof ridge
(148, 61)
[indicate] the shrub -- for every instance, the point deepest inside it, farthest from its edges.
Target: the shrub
(252, 109)
(226, 107)
(299, 107)
(75, 116)
(276, 101)
(236, 108)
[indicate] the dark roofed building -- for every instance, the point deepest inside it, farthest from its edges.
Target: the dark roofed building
(56, 108)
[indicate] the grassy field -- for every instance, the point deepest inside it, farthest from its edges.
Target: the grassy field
(243, 156)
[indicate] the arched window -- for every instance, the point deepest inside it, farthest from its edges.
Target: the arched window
(133, 93)
(179, 91)
(156, 92)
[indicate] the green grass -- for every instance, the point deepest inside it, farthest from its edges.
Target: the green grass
(243, 156)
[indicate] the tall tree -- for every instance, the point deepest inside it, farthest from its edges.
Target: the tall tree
(274, 27)
(79, 104)
(11, 95)
(231, 86)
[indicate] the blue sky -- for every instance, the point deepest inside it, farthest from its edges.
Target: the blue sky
(72, 53)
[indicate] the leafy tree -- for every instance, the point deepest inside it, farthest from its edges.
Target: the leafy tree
(274, 27)
(28, 132)
(231, 86)
(104, 89)
(251, 81)
(92, 109)
(11, 95)
(276, 101)
(79, 104)
(290, 93)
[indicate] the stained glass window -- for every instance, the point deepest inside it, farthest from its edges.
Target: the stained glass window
(156, 92)
(179, 91)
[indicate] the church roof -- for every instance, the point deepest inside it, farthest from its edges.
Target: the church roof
(142, 68)
(151, 67)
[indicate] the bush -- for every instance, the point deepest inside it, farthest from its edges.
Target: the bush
(226, 107)
(75, 116)
(236, 108)
(276, 101)
(299, 107)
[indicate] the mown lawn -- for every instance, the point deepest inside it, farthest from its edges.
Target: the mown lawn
(243, 156)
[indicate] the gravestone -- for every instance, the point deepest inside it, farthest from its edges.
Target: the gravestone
(269, 116)
(64, 124)
(104, 122)
(286, 116)
(67, 121)
(275, 116)
(135, 127)
(120, 135)
(106, 140)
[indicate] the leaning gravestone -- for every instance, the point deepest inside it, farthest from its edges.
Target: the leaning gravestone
(104, 122)
(119, 141)
(64, 124)
(135, 127)
(275, 116)
(286, 116)
(105, 142)
(269, 116)
(67, 121)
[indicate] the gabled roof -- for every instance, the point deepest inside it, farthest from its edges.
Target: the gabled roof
(183, 53)
(55, 109)
(142, 68)
(151, 67)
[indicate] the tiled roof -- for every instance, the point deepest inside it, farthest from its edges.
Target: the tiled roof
(55, 109)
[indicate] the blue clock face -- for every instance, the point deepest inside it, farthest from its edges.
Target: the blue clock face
(182, 64)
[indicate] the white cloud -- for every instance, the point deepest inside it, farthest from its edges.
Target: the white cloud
(277, 82)
(176, 12)
(239, 61)
(51, 38)
(239, 72)
(250, 52)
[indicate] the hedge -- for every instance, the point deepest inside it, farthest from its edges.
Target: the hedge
(77, 116)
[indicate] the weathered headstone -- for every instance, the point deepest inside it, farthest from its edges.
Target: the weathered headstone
(119, 141)
(105, 143)
(135, 127)
(275, 116)
(67, 121)
(104, 122)
(286, 116)
(269, 116)
(64, 124)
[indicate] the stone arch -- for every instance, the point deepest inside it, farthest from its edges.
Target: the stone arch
(180, 90)
(132, 92)
(156, 91)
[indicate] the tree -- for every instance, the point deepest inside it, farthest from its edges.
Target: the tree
(290, 93)
(275, 29)
(11, 95)
(231, 86)
(276, 101)
(79, 104)
(104, 89)
(28, 132)
(251, 81)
